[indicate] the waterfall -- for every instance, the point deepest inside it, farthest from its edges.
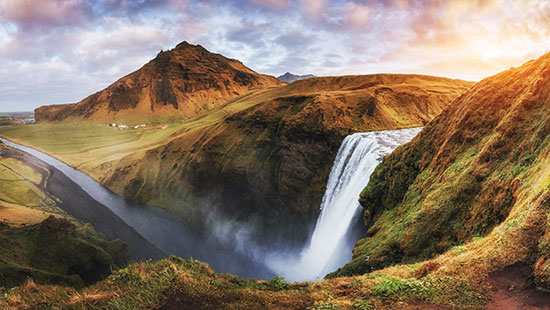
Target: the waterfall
(331, 243)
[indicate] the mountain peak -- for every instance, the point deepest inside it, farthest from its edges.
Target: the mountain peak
(183, 44)
(186, 45)
(289, 77)
(186, 80)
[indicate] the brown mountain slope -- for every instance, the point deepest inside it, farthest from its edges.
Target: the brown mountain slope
(479, 169)
(184, 82)
(269, 162)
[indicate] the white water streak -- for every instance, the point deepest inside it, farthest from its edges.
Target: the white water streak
(331, 245)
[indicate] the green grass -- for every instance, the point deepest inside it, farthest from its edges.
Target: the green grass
(16, 189)
(23, 170)
(79, 142)
(278, 283)
(398, 287)
(72, 138)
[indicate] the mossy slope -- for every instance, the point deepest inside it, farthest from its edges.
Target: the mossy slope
(56, 252)
(38, 240)
(187, 284)
(477, 170)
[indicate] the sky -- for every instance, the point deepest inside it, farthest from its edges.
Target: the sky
(60, 51)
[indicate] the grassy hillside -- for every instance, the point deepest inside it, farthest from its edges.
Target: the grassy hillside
(266, 155)
(458, 218)
(23, 201)
(55, 251)
(39, 240)
(186, 284)
(474, 181)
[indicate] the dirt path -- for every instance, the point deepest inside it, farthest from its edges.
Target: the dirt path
(512, 291)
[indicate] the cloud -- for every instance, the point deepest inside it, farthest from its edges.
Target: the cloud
(357, 15)
(469, 39)
(247, 32)
(30, 14)
(314, 9)
(81, 46)
(131, 7)
(296, 40)
(272, 4)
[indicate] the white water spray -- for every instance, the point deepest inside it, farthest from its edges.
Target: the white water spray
(331, 245)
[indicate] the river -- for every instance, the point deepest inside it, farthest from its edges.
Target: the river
(159, 228)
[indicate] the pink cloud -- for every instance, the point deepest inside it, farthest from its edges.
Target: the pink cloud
(31, 13)
(314, 9)
(357, 15)
(401, 4)
(192, 30)
(272, 4)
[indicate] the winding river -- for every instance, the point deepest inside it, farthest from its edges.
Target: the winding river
(164, 233)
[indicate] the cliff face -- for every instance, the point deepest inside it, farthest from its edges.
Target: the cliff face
(183, 82)
(269, 163)
(478, 169)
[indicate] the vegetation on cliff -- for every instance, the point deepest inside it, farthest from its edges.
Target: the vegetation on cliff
(55, 251)
(473, 181)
